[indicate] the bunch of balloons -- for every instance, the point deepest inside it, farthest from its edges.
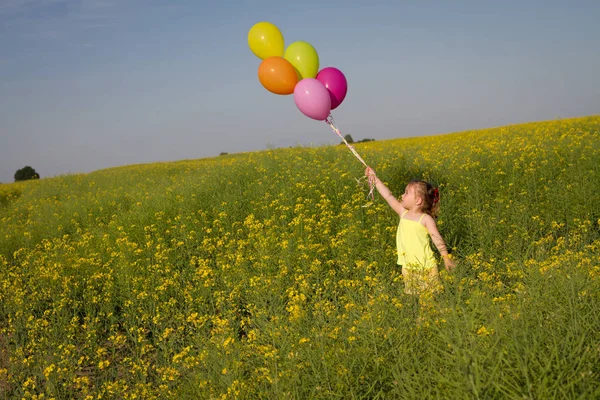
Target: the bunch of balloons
(296, 71)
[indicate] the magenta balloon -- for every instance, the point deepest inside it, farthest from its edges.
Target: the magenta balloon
(335, 82)
(312, 99)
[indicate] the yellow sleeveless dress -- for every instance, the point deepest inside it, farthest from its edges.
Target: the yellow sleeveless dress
(419, 266)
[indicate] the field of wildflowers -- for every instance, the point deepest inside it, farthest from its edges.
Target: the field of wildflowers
(272, 275)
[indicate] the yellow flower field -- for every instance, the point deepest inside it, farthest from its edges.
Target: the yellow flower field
(271, 274)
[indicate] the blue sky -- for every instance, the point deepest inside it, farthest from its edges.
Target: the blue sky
(92, 84)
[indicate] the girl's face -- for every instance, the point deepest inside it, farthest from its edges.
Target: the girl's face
(409, 198)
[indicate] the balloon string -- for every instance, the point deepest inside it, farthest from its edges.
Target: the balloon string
(371, 178)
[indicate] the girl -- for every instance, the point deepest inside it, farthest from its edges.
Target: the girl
(417, 209)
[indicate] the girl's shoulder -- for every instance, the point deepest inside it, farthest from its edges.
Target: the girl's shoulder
(427, 220)
(401, 212)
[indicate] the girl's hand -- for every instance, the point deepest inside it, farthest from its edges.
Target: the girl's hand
(449, 264)
(369, 172)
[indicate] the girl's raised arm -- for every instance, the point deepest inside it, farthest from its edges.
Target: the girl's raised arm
(386, 193)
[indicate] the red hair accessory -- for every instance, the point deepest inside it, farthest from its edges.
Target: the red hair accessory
(436, 196)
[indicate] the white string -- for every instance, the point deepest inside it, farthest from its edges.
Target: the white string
(371, 178)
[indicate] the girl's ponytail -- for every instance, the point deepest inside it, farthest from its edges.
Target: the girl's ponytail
(435, 201)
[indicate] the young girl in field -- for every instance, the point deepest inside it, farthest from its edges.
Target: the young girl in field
(417, 209)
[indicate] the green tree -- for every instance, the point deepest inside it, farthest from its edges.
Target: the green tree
(348, 138)
(26, 173)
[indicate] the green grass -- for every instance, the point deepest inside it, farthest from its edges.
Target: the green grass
(266, 275)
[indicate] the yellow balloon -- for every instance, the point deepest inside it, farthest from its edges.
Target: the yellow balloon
(265, 40)
(304, 58)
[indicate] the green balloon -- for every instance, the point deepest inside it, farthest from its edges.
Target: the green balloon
(304, 58)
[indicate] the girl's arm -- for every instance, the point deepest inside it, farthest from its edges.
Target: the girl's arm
(437, 239)
(386, 193)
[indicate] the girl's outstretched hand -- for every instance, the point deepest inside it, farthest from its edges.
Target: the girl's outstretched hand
(449, 263)
(369, 172)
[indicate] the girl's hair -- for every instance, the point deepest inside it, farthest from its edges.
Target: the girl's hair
(430, 196)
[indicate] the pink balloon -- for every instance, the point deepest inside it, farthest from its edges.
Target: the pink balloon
(312, 98)
(335, 82)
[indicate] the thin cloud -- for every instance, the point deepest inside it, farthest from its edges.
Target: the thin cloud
(54, 19)
(10, 5)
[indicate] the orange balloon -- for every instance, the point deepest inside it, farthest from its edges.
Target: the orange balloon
(277, 75)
